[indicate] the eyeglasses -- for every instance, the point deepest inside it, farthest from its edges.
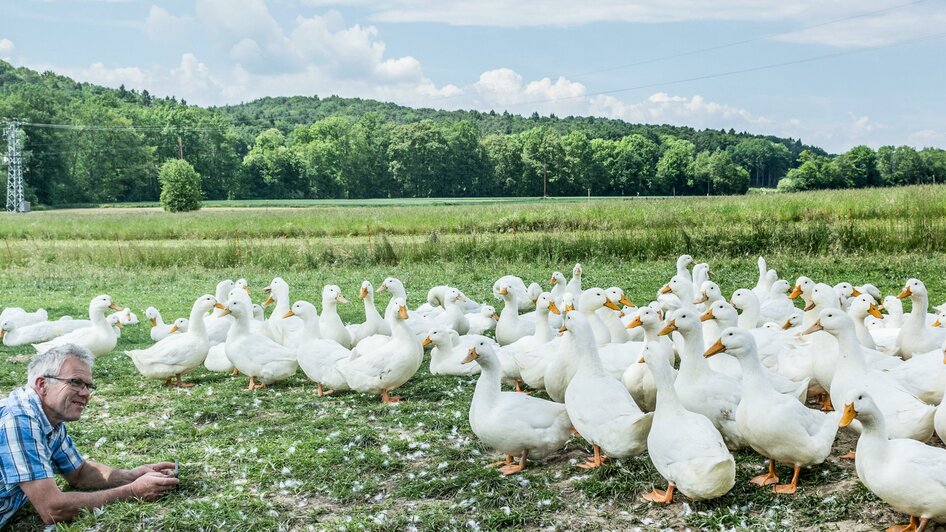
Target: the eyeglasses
(76, 383)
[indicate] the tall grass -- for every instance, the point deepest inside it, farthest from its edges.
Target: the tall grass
(834, 209)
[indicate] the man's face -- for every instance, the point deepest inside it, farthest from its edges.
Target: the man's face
(62, 401)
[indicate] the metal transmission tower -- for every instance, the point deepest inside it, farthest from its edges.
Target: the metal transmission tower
(14, 162)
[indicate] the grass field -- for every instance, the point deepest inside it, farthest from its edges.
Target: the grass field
(282, 458)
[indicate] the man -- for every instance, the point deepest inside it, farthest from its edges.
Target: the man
(34, 445)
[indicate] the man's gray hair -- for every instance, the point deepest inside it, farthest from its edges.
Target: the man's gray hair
(50, 362)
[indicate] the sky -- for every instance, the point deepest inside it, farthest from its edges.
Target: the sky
(834, 73)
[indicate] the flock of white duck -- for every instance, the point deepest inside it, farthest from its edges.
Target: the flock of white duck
(687, 378)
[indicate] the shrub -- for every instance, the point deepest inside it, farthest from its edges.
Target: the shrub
(180, 186)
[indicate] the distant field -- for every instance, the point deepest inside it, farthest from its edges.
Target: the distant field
(285, 459)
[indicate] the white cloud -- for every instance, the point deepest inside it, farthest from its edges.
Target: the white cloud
(695, 111)
(98, 73)
(162, 25)
(927, 138)
(505, 87)
(844, 23)
(879, 30)
(6, 46)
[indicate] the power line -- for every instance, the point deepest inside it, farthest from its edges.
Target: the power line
(744, 41)
(735, 72)
(15, 202)
(97, 127)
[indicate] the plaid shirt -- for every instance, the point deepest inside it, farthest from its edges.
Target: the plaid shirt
(30, 448)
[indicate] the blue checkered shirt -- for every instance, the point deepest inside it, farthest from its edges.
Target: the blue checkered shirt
(30, 448)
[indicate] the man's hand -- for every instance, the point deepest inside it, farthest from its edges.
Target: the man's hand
(165, 468)
(152, 486)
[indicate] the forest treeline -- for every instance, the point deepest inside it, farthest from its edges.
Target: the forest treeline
(85, 143)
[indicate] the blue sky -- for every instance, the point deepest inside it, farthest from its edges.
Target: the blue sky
(835, 73)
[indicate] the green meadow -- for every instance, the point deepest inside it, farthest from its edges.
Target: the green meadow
(283, 458)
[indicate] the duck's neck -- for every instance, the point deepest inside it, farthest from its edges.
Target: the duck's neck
(873, 440)
(753, 376)
(543, 332)
(510, 310)
(97, 317)
(281, 308)
(586, 352)
(749, 318)
(667, 400)
(158, 320)
(310, 327)
(329, 306)
(863, 335)
(849, 350)
(196, 324)
(693, 362)
(487, 386)
(241, 325)
(371, 313)
(916, 320)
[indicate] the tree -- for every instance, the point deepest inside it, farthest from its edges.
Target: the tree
(858, 168)
(900, 166)
(505, 157)
(180, 186)
(766, 161)
(673, 168)
(417, 157)
(580, 168)
(273, 170)
(544, 160)
(634, 164)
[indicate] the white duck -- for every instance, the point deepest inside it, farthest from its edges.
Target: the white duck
(517, 287)
(906, 474)
(600, 407)
(177, 354)
(700, 274)
(20, 318)
(590, 301)
(217, 323)
(279, 329)
(436, 297)
(916, 335)
(774, 425)
(907, 416)
(14, 334)
(453, 317)
(824, 347)
(513, 423)
(804, 287)
(562, 364)
(99, 338)
(700, 388)
(683, 263)
(701, 469)
(256, 355)
(559, 285)
(776, 350)
(449, 351)
(777, 307)
(483, 320)
(532, 353)
(510, 326)
(858, 309)
(330, 323)
(159, 329)
(374, 323)
(939, 419)
(637, 378)
(574, 284)
(611, 318)
(379, 364)
(319, 357)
